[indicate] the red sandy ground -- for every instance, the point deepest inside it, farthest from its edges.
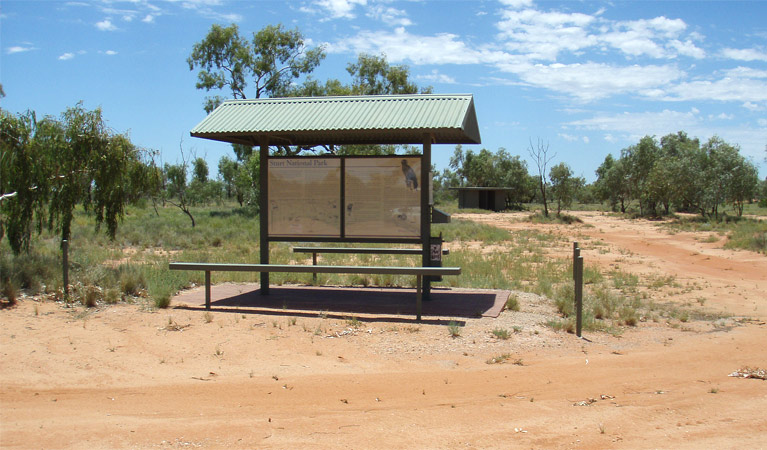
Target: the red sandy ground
(126, 377)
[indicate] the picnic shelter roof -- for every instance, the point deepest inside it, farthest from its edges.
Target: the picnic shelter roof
(370, 119)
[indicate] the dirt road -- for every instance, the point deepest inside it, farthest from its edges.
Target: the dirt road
(130, 378)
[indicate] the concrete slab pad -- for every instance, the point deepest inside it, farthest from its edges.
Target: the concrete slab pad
(445, 302)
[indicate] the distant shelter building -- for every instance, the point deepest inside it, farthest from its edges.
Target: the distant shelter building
(491, 198)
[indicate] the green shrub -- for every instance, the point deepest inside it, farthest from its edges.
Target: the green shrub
(501, 333)
(90, 296)
(111, 296)
(602, 303)
(132, 280)
(512, 303)
(567, 325)
(628, 314)
(454, 329)
(31, 271)
(564, 299)
(162, 301)
(9, 291)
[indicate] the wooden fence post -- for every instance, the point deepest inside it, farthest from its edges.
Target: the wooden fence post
(578, 271)
(65, 266)
(576, 254)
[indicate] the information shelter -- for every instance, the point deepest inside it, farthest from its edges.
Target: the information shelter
(329, 198)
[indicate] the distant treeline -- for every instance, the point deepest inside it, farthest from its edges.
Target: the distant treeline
(675, 173)
(51, 165)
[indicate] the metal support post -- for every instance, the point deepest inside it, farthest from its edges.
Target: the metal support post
(263, 182)
(418, 295)
(314, 263)
(207, 289)
(426, 211)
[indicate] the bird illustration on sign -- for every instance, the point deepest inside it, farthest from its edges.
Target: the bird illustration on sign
(410, 179)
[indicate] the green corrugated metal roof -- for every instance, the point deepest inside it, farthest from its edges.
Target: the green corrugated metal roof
(371, 119)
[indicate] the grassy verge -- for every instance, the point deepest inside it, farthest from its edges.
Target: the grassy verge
(134, 267)
(742, 233)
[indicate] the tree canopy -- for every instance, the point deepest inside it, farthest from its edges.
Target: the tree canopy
(272, 60)
(50, 166)
(681, 172)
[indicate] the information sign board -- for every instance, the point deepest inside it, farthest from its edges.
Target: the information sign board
(304, 197)
(345, 197)
(383, 197)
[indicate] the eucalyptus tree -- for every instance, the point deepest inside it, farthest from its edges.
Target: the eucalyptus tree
(612, 185)
(640, 160)
(272, 63)
(744, 185)
(24, 179)
(373, 75)
(661, 183)
(512, 173)
(564, 186)
(200, 170)
(678, 172)
(176, 188)
(272, 60)
(50, 166)
(727, 177)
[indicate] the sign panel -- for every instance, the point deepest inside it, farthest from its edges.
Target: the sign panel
(304, 197)
(383, 197)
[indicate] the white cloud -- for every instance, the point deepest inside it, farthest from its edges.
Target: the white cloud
(230, 17)
(568, 137)
(106, 25)
(197, 4)
(633, 43)
(637, 125)
(574, 138)
(687, 48)
(110, 52)
(543, 35)
(593, 81)
(148, 19)
(517, 3)
(389, 15)
(631, 127)
(205, 8)
(536, 48)
(19, 49)
(741, 84)
(66, 56)
(401, 46)
(436, 77)
(656, 38)
(340, 9)
(746, 54)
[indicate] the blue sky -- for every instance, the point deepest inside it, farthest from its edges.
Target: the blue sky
(588, 78)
